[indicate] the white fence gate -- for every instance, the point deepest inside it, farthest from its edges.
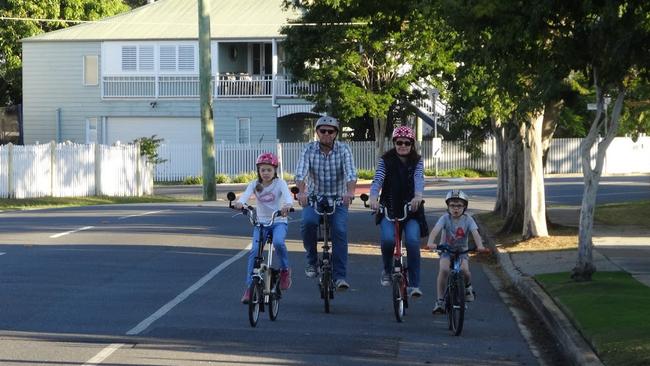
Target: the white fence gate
(623, 156)
(73, 170)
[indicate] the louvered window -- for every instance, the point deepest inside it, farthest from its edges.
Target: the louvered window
(168, 58)
(186, 58)
(145, 58)
(129, 58)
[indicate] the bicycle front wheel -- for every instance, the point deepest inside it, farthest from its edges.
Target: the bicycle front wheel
(274, 296)
(398, 299)
(326, 289)
(456, 306)
(257, 297)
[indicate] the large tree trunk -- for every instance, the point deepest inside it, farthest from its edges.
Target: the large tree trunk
(535, 202)
(515, 180)
(500, 206)
(380, 132)
(584, 267)
(551, 116)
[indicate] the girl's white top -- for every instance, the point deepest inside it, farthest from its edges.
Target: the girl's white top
(272, 198)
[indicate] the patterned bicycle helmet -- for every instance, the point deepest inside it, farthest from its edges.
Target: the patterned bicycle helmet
(404, 132)
(267, 158)
(457, 194)
(327, 121)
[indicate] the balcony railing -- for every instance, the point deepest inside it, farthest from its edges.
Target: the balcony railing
(187, 86)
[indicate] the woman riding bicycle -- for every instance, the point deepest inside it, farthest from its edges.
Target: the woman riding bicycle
(455, 227)
(400, 178)
(271, 194)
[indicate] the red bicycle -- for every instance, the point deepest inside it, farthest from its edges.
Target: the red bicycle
(399, 276)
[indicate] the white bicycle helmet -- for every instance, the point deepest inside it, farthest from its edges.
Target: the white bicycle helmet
(328, 121)
(457, 194)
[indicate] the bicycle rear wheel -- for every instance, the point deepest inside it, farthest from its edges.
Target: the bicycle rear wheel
(257, 297)
(274, 296)
(398, 299)
(456, 306)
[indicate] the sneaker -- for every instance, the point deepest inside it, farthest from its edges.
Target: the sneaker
(246, 297)
(285, 279)
(439, 307)
(342, 285)
(414, 292)
(311, 271)
(469, 293)
(386, 280)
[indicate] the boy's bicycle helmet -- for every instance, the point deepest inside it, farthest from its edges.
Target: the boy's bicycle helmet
(327, 121)
(404, 132)
(267, 158)
(457, 194)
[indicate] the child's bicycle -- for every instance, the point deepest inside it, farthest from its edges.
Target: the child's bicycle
(265, 288)
(454, 297)
(325, 207)
(399, 276)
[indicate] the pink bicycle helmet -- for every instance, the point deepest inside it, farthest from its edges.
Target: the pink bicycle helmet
(404, 132)
(267, 158)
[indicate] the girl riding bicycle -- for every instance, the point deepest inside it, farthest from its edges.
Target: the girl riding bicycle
(455, 227)
(271, 194)
(400, 177)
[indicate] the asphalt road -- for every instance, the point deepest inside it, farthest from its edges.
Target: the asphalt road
(159, 284)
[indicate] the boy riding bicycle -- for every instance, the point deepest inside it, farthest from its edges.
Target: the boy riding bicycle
(271, 194)
(455, 227)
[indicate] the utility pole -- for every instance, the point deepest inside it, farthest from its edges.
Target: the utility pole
(205, 90)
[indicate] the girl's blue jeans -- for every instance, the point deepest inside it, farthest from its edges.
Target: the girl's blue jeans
(339, 224)
(279, 234)
(411, 235)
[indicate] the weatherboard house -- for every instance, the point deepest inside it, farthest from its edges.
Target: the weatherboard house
(136, 74)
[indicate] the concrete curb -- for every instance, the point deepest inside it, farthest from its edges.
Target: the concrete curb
(572, 344)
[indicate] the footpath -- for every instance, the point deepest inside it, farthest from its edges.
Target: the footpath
(615, 249)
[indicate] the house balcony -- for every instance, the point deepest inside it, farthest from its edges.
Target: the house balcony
(187, 86)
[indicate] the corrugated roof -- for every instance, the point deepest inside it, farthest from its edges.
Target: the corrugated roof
(178, 19)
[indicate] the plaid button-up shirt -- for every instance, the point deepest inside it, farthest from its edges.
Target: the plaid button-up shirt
(326, 174)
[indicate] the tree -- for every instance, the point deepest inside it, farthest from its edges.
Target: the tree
(12, 31)
(365, 55)
(610, 42)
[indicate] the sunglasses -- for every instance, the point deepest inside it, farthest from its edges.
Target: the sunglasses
(326, 131)
(455, 205)
(403, 143)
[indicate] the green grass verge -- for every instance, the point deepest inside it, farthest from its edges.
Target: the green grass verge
(612, 311)
(48, 202)
(627, 213)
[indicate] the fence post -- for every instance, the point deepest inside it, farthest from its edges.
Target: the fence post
(10, 172)
(138, 171)
(98, 170)
(52, 166)
(279, 149)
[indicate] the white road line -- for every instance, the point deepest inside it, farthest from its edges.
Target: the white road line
(106, 352)
(70, 232)
(2, 253)
(141, 214)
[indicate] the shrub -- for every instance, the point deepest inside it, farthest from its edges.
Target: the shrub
(461, 173)
(365, 174)
(245, 177)
(193, 180)
(221, 178)
(149, 148)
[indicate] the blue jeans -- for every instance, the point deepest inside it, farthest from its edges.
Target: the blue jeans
(411, 235)
(279, 234)
(339, 225)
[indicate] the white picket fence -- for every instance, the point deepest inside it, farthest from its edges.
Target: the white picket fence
(623, 156)
(73, 170)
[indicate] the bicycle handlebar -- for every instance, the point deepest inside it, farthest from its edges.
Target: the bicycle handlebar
(446, 248)
(406, 209)
(317, 203)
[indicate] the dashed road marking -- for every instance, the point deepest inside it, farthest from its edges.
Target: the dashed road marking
(70, 232)
(140, 214)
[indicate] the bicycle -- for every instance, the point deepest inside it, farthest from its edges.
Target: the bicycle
(400, 279)
(265, 288)
(325, 207)
(454, 297)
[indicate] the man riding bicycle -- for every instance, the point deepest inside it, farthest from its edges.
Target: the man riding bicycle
(326, 169)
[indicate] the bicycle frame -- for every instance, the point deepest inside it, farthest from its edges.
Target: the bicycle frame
(324, 208)
(400, 266)
(455, 291)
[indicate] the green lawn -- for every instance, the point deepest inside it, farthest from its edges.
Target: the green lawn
(612, 311)
(627, 213)
(47, 202)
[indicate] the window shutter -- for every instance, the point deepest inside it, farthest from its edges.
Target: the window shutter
(186, 58)
(129, 58)
(145, 61)
(168, 58)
